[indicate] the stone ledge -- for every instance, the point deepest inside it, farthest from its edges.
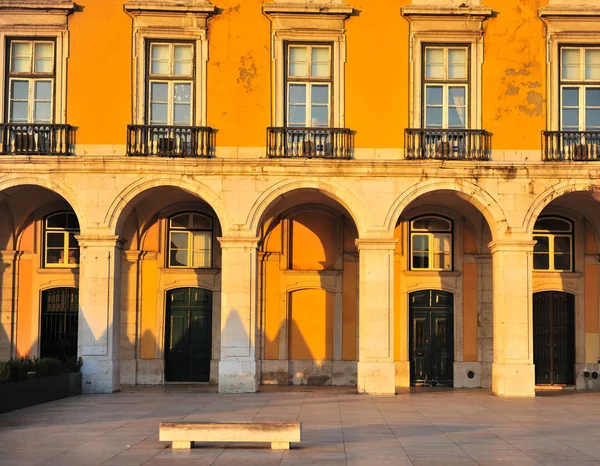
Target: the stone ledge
(436, 10)
(185, 6)
(279, 9)
(569, 11)
(64, 5)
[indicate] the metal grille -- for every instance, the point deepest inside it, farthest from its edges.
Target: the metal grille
(60, 317)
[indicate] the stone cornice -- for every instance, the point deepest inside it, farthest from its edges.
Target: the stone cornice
(276, 8)
(380, 244)
(170, 6)
(238, 242)
(56, 6)
(569, 11)
(447, 12)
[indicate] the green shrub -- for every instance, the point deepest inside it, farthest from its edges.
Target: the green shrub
(47, 367)
(73, 364)
(15, 370)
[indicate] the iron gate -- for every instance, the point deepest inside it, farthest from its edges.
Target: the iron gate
(59, 323)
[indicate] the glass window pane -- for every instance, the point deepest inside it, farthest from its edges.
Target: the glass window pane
(297, 94)
(570, 97)
(201, 222)
(433, 117)
(183, 52)
(183, 60)
(19, 90)
(43, 90)
(159, 59)
(57, 221)
(43, 49)
(542, 245)
(434, 63)
(201, 249)
(431, 224)
(180, 221)
(183, 68)
(562, 262)
(179, 240)
(54, 256)
(420, 260)
(457, 63)
(158, 114)
(72, 221)
(21, 58)
(592, 119)
(179, 258)
(551, 224)
(73, 256)
(73, 243)
(320, 116)
(320, 94)
(570, 119)
(182, 114)
(19, 112)
(562, 244)
(571, 64)
(541, 261)
(420, 243)
(592, 97)
(42, 65)
(55, 240)
(320, 62)
(159, 92)
(183, 93)
(297, 115)
(592, 64)
(298, 61)
(43, 57)
(42, 112)
(434, 95)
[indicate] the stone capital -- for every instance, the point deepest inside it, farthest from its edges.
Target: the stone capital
(238, 242)
(511, 246)
(100, 241)
(376, 244)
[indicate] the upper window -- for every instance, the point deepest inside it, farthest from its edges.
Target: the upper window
(170, 84)
(61, 249)
(431, 243)
(445, 87)
(308, 85)
(553, 250)
(190, 241)
(580, 88)
(31, 81)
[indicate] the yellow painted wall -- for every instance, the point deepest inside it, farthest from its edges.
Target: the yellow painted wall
(591, 247)
(349, 311)
(312, 241)
(148, 318)
(25, 333)
(273, 318)
(311, 325)
(470, 298)
(469, 241)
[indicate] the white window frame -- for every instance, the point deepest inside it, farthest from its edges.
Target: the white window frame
(67, 232)
(551, 237)
(172, 23)
(40, 22)
(446, 26)
(190, 248)
(432, 235)
(299, 24)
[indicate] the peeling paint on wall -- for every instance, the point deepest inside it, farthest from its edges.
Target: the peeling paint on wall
(247, 72)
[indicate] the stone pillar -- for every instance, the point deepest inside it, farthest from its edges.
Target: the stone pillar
(238, 371)
(99, 304)
(376, 368)
(513, 371)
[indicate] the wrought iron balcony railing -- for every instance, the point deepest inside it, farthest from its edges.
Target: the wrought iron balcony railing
(35, 139)
(447, 144)
(170, 141)
(325, 143)
(570, 145)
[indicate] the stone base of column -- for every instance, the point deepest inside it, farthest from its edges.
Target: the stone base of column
(238, 376)
(100, 375)
(513, 380)
(402, 373)
(377, 378)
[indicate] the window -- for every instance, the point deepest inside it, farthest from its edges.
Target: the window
(580, 88)
(61, 247)
(190, 241)
(31, 80)
(308, 83)
(431, 243)
(446, 87)
(553, 250)
(170, 84)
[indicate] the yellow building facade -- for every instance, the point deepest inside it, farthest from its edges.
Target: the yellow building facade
(307, 192)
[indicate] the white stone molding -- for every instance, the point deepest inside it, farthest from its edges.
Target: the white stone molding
(445, 22)
(32, 19)
(567, 22)
(169, 20)
(318, 21)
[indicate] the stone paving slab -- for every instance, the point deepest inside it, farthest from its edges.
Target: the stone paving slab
(340, 427)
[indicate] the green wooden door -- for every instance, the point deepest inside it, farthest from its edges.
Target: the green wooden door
(188, 335)
(431, 338)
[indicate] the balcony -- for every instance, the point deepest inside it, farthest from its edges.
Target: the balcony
(562, 146)
(447, 144)
(35, 139)
(170, 141)
(308, 143)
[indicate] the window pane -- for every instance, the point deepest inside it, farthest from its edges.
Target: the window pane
(183, 93)
(159, 59)
(297, 115)
(57, 221)
(159, 92)
(41, 112)
(54, 256)
(434, 95)
(73, 243)
(55, 240)
(562, 244)
(457, 63)
(43, 90)
(433, 117)
(19, 112)
(297, 94)
(552, 224)
(431, 224)
(320, 94)
(183, 60)
(420, 243)
(183, 52)
(562, 262)
(21, 59)
(570, 97)
(179, 240)
(542, 244)
(541, 261)
(73, 256)
(570, 64)
(456, 107)
(182, 114)
(19, 90)
(178, 258)
(592, 64)
(72, 221)
(158, 114)
(319, 116)
(592, 119)
(201, 222)
(43, 57)
(180, 221)
(570, 119)
(201, 249)
(159, 95)
(297, 61)
(320, 62)
(420, 260)
(434, 63)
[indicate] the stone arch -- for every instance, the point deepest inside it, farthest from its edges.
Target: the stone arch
(552, 193)
(470, 192)
(122, 203)
(57, 187)
(333, 190)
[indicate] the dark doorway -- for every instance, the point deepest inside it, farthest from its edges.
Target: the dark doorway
(59, 322)
(554, 338)
(188, 335)
(431, 338)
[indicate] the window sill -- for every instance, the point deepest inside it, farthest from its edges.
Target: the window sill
(429, 273)
(199, 270)
(321, 273)
(50, 270)
(555, 274)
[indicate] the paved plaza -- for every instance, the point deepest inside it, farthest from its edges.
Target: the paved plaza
(417, 427)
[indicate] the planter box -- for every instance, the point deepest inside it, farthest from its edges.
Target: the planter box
(32, 392)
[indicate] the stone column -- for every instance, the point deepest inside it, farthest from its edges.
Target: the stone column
(513, 371)
(238, 371)
(376, 368)
(99, 305)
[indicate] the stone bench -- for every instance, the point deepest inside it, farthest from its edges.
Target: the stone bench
(278, 434)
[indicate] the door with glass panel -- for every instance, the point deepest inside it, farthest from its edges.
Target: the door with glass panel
(431, 338)
(170, 96)
(188, 335)
(31, 80)
(554, 338)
